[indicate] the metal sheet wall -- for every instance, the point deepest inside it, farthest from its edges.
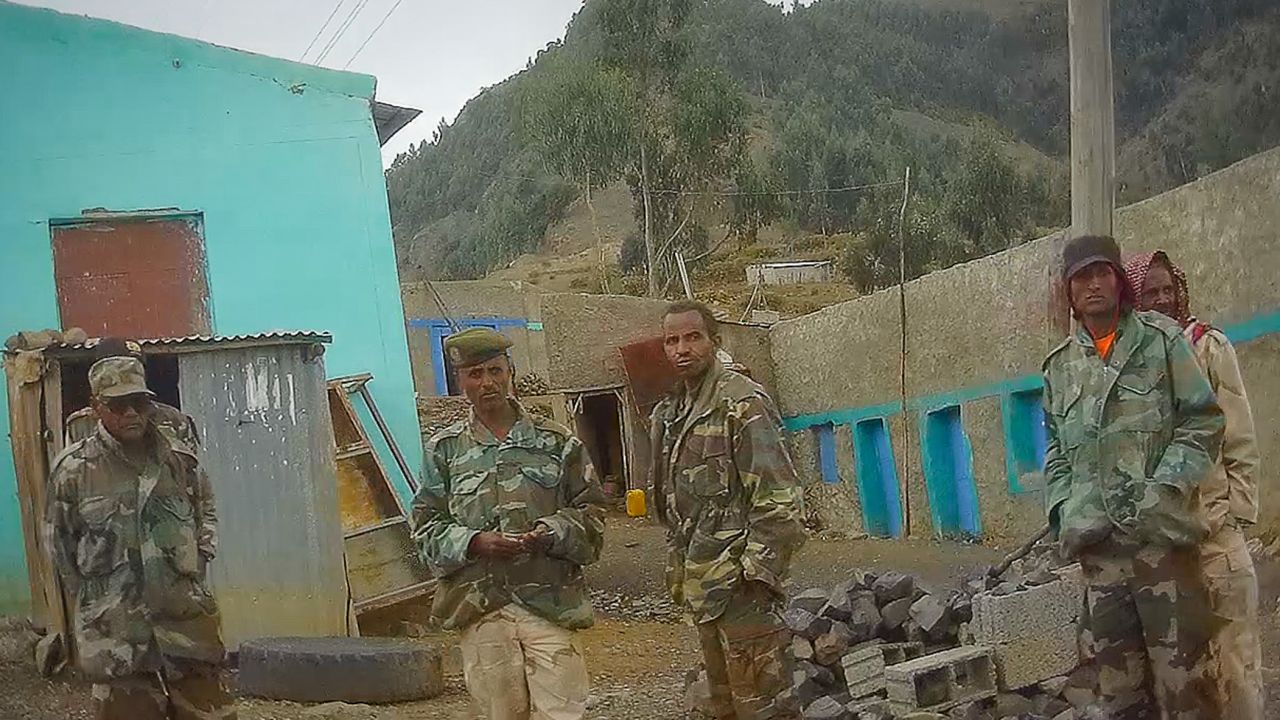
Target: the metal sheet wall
(264, 421)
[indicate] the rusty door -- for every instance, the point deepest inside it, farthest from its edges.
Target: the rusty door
(132, 277)
(649, 373)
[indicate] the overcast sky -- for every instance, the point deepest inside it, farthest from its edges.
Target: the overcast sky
(433, 55)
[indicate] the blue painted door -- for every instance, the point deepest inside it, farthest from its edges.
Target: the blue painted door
(877, 479)
(948, 469)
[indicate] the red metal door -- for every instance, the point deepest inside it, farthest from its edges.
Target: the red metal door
(131, 277)
(649, 373)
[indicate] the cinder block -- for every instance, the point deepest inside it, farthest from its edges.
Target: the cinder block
(1025, 613)
(942, 680)
(1027, 661)
(895, 653)
(864, 669)
(1073, 576)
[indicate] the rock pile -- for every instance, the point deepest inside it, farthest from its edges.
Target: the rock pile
(845, 638)
(531, 384)
(439, 412)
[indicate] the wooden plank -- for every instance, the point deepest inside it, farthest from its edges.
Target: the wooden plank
(376, 474)
(392, 598)
(353, 451)
(1093, 134)
(383, 561)
(361, 501)
(388, 437)
(29, 461)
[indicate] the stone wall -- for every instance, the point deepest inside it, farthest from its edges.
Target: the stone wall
(979, 331)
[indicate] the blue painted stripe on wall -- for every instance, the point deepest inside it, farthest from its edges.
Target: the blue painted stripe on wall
(1242, 332)
(500, 322)
(1254, 328)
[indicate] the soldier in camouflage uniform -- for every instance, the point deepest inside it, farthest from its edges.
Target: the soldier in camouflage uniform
(508, 515)
(1229, 497)
(1133, 429)
(725, 488)
(124, 515)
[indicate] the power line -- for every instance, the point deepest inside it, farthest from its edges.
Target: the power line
(381, 22)
(342, 30)
(732, 193)
(320, 32)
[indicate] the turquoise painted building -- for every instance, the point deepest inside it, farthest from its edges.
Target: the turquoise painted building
(274, 165)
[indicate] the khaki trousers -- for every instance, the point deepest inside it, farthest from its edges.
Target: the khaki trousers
(196, 695)
(1235, 651)
(519, 666)
(748, 666)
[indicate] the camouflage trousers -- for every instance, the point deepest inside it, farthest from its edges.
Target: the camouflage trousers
(748, 667)
(1150, 620)
(1235, 652)
(519, 666)
(196, 694)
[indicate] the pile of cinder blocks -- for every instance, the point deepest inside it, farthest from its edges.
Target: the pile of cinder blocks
(1033, 631)
(878, 646)
(941, 681)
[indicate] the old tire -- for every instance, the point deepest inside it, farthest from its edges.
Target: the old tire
(364, 670)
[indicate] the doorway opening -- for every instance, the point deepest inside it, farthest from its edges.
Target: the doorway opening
(600, 426)
(162, 379)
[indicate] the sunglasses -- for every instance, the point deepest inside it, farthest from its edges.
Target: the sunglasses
(121, 405)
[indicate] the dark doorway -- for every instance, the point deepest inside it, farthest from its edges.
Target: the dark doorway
(162, 379)
(599, 422)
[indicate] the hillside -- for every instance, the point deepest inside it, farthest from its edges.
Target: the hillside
(972, 95)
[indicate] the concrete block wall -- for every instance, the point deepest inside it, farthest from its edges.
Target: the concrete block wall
(978, 332)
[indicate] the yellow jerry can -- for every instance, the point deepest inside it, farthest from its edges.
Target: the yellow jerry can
(635, 503)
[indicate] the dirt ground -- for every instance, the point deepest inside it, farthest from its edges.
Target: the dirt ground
(637, 663)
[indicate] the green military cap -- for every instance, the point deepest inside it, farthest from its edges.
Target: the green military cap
(117, 377)
(474, 346)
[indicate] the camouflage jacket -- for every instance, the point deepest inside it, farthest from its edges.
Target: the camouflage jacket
(1230, 494)
(179, 429)
(472, 482)
(726, 490)
(128, 545)
(1130, 438)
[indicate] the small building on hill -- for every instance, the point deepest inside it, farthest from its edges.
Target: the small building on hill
(791, 272)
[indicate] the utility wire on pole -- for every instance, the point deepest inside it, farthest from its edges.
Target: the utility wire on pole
(444, 310)
(342, 30)
(325, 26)
(902, 317)
(369, 37)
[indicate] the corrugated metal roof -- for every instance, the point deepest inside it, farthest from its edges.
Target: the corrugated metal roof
(793, 264)
(207, 342)
(389, 119)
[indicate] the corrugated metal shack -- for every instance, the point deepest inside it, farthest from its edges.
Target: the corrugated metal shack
(792, 272)
(260, 404)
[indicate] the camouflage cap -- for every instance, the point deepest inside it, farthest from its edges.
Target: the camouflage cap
(474, 346)
(117, 377)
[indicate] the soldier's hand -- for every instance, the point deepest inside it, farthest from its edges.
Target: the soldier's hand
(495, 545)
(538, 540)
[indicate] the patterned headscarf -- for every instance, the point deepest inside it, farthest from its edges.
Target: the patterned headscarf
(1137, 268)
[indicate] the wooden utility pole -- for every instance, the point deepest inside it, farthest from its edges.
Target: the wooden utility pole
(1093, 128)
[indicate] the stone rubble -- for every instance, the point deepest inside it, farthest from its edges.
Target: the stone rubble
(845, 638)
